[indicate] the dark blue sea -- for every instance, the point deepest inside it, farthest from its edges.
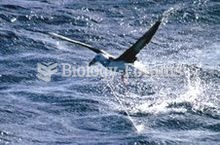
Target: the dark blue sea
(154, 110)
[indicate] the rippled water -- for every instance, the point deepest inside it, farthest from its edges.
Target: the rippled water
(154, 110)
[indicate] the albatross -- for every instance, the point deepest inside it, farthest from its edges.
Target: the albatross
(129, 57)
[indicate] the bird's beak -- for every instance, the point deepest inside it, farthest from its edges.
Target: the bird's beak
(92, 62)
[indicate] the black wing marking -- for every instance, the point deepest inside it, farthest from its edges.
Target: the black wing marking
(129, 55)
(77, 42)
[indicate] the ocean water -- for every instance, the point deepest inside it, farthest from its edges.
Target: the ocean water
(152, 110)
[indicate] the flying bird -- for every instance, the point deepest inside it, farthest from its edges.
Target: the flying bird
(129, 57)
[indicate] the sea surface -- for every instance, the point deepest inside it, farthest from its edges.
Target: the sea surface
(154, 110)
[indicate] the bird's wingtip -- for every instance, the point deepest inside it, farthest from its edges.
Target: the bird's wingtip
(161, 18)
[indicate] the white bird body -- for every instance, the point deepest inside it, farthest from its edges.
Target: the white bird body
(111, 64)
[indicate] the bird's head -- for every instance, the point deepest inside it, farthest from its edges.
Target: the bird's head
(98, 58)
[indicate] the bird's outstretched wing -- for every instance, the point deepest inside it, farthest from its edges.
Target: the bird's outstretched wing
(129, 55)
(77, 42)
